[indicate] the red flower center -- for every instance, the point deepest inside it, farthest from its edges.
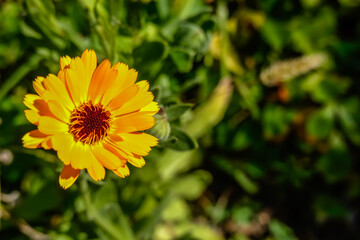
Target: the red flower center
(89, 123)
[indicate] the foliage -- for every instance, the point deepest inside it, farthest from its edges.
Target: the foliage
(258, 128)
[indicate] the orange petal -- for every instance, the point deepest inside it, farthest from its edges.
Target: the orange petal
(141, 99)
(90, 62)
(65, 62)
(61, 75)
(37, 104)
(76, 82)
(59, 90)
(133, 122)
(80, 155)
(151, 108)
(52, 97)
(59, 111)
(122, 154)
(39, 86)
(63, 143)
(105, 157)
(32, 116)
(125, 78)
(123, 97)
(95, 170)
(29, 100)
(101, 81)
(122, 171)
(68, 176)
(137, 143)
(33, 139)
(50, 126)
(47, 143)
(137, 161)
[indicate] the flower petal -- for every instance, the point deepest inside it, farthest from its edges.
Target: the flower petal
(122, 171)
(65, 62)
(101, 81)
(137, 143)
(59, 90)
(105, 157)
(63, 143)
(137, 161)
(80, 156)
(49, 125)
(47, 143)
(33, 139)
(95, 170)
(68, 176)
(125, 78)
(36, 103)
(133, 122)
(151, 108)
(123, 97)
(141, 99)
(59, 111)
(122, 154)
(76, 81)
(32, 116)
(39, 86)
(90, 62)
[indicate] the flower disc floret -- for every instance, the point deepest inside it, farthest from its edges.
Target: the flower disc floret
(89, 123)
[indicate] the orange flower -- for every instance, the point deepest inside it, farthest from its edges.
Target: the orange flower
(92, 116)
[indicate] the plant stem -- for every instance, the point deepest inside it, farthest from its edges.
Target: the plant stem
(94, 215)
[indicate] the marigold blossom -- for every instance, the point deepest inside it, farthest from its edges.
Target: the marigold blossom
(92, 116)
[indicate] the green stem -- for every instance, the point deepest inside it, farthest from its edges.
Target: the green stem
(148, 230)
(222, 17)
(19, 74)
(94, 215)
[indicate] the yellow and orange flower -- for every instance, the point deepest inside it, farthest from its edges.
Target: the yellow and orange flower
(92, 116)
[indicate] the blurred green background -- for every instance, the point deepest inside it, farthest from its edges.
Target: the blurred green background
(259, 128)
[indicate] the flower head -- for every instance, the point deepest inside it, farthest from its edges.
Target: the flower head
(92, 116)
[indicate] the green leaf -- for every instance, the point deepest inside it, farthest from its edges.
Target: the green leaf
(275, 34)
(148, 56)
(149, 52)
(237, 173)
(189, 8)
(89, 4)
(106, 194)
(163, 7)
(335, 164)
(29, 31)
(276, 120)
(32, 207)
(281, 231)
(242, 214)
(177, 210)
(320, 123)
(191, 36)
(198, 181)
(328, 206)
(348, 116)
(182, 58)
(175, 111)
(181, 140)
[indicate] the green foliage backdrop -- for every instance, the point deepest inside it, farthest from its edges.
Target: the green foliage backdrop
(259, 127)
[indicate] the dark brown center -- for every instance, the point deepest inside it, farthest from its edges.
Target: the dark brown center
(89, 123)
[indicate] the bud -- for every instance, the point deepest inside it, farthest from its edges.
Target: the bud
(161, 130)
